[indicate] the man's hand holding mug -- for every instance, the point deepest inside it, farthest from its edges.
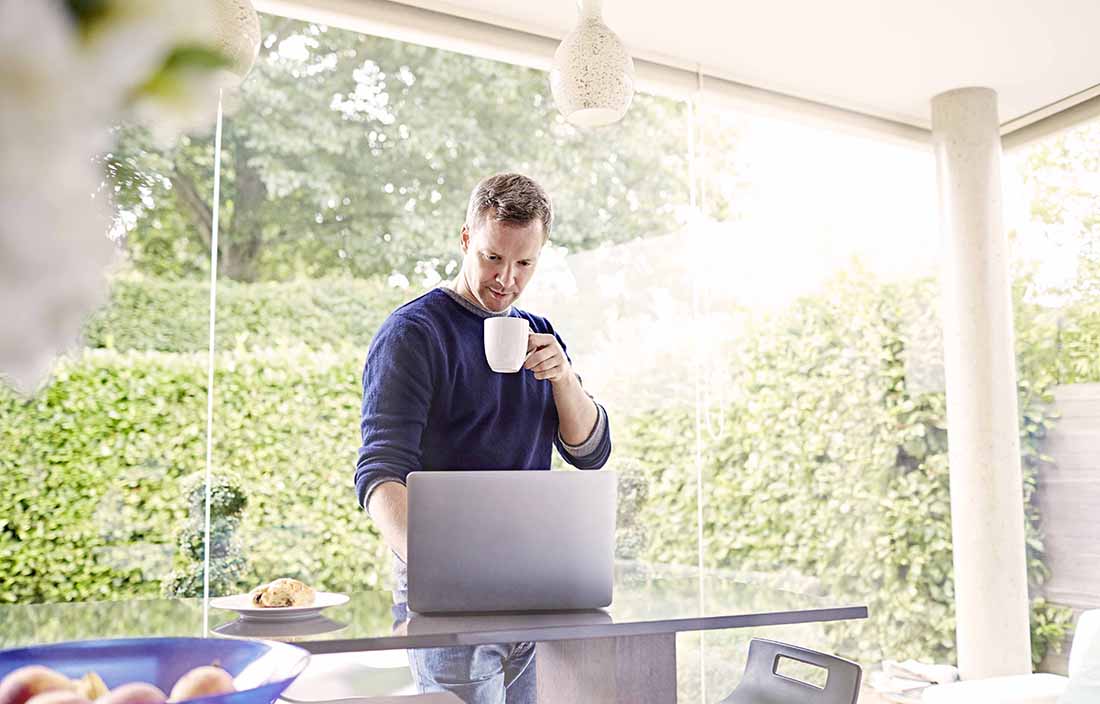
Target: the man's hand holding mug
(546, 358)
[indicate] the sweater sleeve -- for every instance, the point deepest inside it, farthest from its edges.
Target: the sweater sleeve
(397, 392)
(594, 452)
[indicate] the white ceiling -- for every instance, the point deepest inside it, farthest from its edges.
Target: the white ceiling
(884, 58)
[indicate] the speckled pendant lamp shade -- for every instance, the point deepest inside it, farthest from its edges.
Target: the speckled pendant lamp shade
(593, 75)
(238, 34)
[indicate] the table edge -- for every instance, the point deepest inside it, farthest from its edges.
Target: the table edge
(584, 631)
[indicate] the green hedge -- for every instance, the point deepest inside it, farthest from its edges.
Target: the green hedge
(91, 464)
(173, 316)
(830, 461)
(96, 470)
(1078, 343)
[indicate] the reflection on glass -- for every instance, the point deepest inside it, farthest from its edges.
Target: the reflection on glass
(289, 631)
(55, 622)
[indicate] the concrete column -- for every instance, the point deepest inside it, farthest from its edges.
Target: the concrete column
(987, 513)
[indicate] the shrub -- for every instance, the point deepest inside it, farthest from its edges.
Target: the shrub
(173, 316)
(95, 467)
(827, 460)
(227, 561)
(830, 461)
(1078, 339)
(92, 464)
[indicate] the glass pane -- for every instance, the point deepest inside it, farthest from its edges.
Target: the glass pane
(1052, 191)
(347, 164)
(821, 405)
(101, 467)
(348, 171)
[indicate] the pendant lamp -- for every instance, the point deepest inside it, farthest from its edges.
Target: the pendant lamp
(238, 35)
(593, 75)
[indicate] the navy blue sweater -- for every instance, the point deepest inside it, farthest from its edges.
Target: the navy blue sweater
(431, 402)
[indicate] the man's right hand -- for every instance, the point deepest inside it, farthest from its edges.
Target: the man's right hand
(389, 507)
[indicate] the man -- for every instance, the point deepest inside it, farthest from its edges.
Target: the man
(431, 402)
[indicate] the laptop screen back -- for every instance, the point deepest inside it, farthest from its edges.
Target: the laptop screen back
(510, 540)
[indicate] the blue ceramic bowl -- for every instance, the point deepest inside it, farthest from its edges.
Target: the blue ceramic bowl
(261, 669)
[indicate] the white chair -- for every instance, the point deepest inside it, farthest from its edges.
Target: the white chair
(1040, 688)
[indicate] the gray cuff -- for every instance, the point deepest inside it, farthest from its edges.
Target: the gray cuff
(374, 485)
(593, 440)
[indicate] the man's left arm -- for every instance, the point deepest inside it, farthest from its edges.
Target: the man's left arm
(577, 412)
(583, 429)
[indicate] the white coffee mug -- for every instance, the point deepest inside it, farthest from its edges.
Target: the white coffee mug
(506, 343)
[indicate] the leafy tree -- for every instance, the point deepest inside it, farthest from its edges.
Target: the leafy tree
(1063, 175)
(346, 153)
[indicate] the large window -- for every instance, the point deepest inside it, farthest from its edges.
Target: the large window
(777, 358)
(101, 470)
(348, 161)
(1052, 194)
(753, 300)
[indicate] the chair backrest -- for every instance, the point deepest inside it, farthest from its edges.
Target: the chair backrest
(762, 682)
(1086, 638)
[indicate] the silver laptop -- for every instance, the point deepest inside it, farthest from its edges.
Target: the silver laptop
(521, 540)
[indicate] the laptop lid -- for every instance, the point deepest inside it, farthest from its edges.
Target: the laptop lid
(523, 540)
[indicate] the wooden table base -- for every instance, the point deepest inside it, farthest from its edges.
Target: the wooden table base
(621, 670)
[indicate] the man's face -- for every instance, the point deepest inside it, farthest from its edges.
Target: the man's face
(499, 259)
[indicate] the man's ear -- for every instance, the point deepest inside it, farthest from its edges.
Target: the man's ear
(465, 239)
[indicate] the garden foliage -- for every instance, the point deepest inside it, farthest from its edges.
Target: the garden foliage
(828, 461)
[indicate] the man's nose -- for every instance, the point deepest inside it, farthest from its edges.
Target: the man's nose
(505, 277)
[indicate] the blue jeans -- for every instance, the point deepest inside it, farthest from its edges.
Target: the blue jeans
(479, 674)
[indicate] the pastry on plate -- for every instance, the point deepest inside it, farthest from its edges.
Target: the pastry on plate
(282, 592)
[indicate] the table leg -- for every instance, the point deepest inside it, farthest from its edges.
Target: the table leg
(622, 670)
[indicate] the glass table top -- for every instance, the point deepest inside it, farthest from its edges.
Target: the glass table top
(648, 599)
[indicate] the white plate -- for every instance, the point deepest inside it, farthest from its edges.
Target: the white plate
(242, 604)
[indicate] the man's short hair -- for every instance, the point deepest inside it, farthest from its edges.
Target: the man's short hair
(511, 198)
